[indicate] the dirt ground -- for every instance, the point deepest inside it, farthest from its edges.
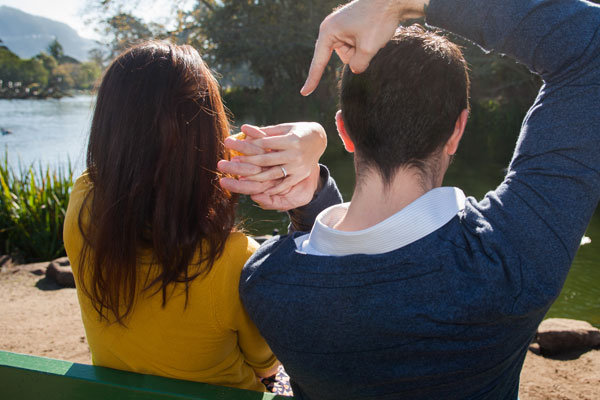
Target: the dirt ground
(38, 317)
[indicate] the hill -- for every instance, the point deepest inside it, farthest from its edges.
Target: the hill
(27, 35)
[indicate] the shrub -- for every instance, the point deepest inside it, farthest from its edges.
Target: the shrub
(33, 205)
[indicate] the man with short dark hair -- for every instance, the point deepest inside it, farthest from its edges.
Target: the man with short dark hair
(411, 290)
(404, 108)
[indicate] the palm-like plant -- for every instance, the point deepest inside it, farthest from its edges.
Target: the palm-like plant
(33, 205)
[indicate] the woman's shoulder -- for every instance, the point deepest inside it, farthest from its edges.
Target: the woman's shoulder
(228, 267)
(83, 181)
(238, 248)
(72, 236)
(81, 187)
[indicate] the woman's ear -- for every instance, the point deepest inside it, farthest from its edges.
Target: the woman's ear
(339, 122)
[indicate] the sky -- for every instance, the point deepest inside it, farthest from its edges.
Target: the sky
(70, 12)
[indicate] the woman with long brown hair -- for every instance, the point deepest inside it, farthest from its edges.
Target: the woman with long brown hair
(152, 236)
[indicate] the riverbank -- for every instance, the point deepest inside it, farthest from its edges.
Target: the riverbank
(41, 318)
(20, 93)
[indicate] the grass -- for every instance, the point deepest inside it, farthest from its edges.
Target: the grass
(33, 204)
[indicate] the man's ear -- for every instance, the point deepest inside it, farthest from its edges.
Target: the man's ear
(339, 122)
(459, 128)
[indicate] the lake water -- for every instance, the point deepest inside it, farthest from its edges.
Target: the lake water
(55, 131)
(52, 132)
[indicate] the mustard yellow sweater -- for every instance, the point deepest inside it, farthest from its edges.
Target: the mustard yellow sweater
(211, 340)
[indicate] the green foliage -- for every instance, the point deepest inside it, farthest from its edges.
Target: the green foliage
(276, 37)
(14, 69)
(33, 205)
(56, 50)
(63, 76)
(86, 75)
(33, 71)
(272, 41)
(47, 60)
(99, 57)
(491, 132)
(9, 64)
(45, 74)
(127, 30)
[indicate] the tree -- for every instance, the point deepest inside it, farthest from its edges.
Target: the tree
(86, 75)
(127, 30)
(98, 56)
(64, 76)
(33, 72)
(49, 62)
(56, 50)
(2, 46)
(9, 65)
(275, 40)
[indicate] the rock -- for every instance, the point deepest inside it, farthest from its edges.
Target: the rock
(10, 265)
(558, 335)
(60, 271)
(6, 261)
(35, 268)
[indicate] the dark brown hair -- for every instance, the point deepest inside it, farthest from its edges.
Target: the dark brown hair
(156, 137)
(404, 107)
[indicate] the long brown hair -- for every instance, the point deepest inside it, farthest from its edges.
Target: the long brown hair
(156, 137)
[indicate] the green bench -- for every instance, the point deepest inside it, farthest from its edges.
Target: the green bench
(30, 377)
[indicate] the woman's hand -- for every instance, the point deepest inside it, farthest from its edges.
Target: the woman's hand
(277, 161)
(356, 32)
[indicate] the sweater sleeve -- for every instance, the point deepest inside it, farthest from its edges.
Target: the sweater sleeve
(303, 218)
(552, 187)
(231, 314)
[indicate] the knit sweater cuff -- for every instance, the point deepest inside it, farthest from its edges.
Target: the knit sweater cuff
(303, 218)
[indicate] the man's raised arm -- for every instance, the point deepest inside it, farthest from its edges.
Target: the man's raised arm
(356, 32)
(549, 36)
(553, 184)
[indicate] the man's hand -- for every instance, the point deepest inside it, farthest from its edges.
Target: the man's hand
(356, 32)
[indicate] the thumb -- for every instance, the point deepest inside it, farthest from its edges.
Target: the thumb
(360, 61)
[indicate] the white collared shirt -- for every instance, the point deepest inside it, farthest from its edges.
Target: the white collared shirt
(420, 218)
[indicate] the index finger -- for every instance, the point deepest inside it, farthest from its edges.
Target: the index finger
(277, 130)
(252, 131)
(323, 50)
(243, 146)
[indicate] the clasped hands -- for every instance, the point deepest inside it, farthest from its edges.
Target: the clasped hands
(279, 167)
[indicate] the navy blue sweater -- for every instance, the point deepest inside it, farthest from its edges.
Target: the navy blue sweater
(451, 315)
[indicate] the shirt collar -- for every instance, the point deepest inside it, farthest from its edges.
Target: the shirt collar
(420, 218)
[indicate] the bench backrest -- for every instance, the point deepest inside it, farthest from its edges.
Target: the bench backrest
(23, 377)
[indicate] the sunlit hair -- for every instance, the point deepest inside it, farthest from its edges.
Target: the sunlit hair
(156, 137)
(402, 110)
